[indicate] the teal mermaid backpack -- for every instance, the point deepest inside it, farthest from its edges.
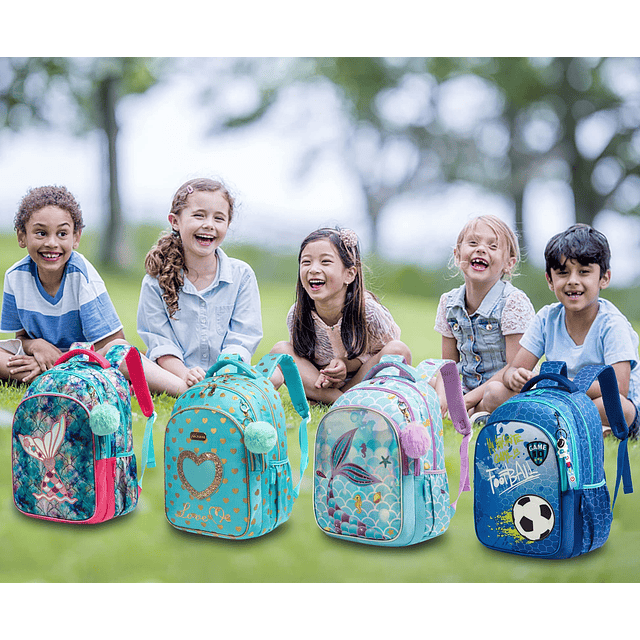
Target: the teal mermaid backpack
(380, 476)
(227, 469)
(72, 444)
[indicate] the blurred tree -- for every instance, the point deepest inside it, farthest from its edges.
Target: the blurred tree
(535, 119)
(576, 120)
(79, 94)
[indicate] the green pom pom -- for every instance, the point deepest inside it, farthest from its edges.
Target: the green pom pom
(104, 419)
(260, 437)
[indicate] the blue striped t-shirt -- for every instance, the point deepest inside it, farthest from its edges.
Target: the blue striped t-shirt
(81, 310)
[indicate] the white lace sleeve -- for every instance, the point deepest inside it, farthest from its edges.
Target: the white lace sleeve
(442, 326)
(518, 312)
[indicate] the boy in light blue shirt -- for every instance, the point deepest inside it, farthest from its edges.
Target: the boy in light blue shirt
(581, 328)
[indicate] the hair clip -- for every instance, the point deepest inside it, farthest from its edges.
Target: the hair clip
(189, 189)
(349, 238)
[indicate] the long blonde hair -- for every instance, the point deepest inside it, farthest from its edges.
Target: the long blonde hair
(165, 260)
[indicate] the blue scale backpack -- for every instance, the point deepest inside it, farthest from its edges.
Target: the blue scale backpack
(539, 480)
(72, 445)
(380, 475)
(227, 469)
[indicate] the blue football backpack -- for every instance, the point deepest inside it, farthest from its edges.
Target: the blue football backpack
(227, 469)
(539, 481)
(380, 475)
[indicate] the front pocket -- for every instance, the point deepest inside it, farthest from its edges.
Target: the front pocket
(208, 487)
(517, 498)
(53, 459)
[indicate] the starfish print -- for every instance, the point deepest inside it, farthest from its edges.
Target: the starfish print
(385, 461)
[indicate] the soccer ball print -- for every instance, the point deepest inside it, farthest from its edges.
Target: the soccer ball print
(533, 517)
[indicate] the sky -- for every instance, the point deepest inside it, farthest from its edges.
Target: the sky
(162, 143)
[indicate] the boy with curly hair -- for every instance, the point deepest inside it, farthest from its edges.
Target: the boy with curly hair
(54, 296)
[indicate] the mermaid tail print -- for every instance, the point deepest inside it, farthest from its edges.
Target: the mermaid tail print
(45, 449)
(355, 474)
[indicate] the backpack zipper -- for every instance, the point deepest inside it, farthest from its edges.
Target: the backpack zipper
(247, 405)
(104, 444)
(403, 403)
(571, 456)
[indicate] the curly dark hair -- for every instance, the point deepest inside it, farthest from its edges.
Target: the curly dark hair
(165, 260)
(42, 197)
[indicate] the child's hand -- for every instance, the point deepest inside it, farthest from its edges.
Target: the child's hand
(44, 352)
(23, 368)
(195, 375)
(515, 379)
(333, 375)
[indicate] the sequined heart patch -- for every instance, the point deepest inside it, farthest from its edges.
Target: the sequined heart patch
(200, 475)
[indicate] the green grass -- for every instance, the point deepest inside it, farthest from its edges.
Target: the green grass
(143, 547)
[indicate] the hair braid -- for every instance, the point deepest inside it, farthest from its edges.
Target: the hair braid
(165, 261)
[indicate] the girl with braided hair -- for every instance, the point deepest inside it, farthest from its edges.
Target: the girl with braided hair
(338, 330)
(195, 301)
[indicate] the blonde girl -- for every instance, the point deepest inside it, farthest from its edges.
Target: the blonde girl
(338, 330)
(195, 301)
(482, 321)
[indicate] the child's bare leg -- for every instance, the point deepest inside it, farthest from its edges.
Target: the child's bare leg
(159, 380)
(495, 394)
(395, 347)
(5, 374)
(309, 374)
(628, 408)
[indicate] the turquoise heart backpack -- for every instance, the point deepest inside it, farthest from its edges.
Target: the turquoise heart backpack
(227, 469)
(380, 475)
(72, 444)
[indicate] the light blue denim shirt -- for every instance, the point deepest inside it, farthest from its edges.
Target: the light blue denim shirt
(223, 318)
(480, 338)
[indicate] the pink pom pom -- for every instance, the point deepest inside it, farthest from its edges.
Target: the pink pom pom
(415, 440)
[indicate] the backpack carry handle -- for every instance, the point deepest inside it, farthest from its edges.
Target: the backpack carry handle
(92, 355)
(563, 383)
(396, 362)
(233, 360)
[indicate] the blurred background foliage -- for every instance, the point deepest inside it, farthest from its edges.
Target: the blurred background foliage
(400, 132)
(401, 127)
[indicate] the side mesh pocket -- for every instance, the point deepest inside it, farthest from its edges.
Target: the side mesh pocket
(596, 517)
(437, 504)
(126, 485)
(283, 497)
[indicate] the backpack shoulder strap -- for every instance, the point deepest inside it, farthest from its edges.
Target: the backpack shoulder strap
(457, 411)
(131, 357)
(606, 376)
(293, 381)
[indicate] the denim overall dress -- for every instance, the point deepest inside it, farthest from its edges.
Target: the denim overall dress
(479, 337)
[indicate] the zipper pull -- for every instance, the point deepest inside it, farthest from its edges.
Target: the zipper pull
(404, 410)
(563, 454)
